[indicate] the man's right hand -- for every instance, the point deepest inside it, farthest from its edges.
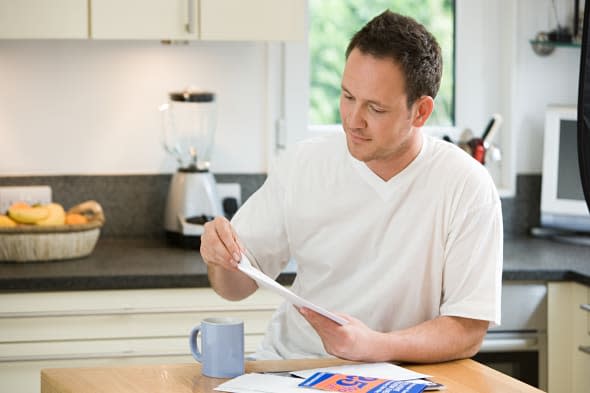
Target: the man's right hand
(221, 250)
(220, 246)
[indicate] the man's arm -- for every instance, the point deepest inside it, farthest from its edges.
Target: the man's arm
(221, 251)
(437, 340)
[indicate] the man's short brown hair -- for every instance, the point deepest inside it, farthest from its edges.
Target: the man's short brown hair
(408, 44)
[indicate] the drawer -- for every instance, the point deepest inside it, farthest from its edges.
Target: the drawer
(106, 349)
(124, 314)
(120, 325)
(128, 301)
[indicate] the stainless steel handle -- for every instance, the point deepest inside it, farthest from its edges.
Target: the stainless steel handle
(509, 344)
(190, 25)
(585, 348)
(82, 356)
(585, 307)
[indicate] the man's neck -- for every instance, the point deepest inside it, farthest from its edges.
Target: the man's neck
(386, 169)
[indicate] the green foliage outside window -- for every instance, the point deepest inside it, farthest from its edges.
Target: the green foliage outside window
(332, 25)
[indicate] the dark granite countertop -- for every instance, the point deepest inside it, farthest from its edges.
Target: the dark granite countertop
(142, 263)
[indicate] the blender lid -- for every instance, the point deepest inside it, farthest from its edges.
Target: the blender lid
(192, 96)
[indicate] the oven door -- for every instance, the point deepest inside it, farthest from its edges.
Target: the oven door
(521, 355)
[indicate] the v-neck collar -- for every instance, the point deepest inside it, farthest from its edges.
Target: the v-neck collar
(386, 189)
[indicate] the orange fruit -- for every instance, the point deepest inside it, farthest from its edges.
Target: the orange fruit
(19, 205)
(75, 219)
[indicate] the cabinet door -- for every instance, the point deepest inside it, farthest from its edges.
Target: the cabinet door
(138, 19)
(43, 19)
(567, 332)
(265, 20)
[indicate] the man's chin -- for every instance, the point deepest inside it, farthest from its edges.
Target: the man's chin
(358, 153)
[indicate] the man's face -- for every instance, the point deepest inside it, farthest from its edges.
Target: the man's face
(374, 112)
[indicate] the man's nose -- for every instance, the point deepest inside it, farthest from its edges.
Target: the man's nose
(356, 119)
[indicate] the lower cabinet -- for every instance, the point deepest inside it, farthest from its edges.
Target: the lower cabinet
(116, 327)
(568, 337)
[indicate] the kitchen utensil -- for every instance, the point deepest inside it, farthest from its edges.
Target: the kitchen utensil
(221, 352)
(189, 127)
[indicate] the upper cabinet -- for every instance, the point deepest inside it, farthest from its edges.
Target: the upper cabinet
(43, 19)
(139, 19)
(229, 20)
(252, 20)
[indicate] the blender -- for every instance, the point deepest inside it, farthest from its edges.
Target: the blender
(189, 126)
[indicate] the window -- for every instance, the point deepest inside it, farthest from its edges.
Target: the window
(333, 22)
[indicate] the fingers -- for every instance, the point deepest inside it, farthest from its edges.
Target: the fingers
(316, 320)
(220, 245)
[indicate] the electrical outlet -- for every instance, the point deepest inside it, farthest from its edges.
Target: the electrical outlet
(230, 190)
(29, 194)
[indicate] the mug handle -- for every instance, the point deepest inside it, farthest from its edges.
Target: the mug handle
(193, 344)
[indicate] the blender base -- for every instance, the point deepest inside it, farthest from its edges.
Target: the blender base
(192, 242)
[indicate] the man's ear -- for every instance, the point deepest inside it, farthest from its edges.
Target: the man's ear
(423, 108)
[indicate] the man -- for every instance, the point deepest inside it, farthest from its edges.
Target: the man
(398, 232)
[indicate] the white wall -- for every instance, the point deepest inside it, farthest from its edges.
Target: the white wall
(540, 81)
(497, 71)
(90, 106)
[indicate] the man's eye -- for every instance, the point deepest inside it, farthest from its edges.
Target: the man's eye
(347, 97)
(377, 110)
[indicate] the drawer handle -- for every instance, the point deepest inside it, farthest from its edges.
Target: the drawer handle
(510, 344)
(585, 307)
(189, 27)
(585, 348)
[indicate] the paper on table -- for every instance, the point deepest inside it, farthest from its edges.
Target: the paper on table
(261, 383)
(373, 370)
(263, 280)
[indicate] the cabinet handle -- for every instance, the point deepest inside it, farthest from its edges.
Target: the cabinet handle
(585, 307)
(191, 21)
(585, 348)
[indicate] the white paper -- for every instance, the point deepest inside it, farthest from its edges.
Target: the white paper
(373, 370)
(261, 383)
(264, 281)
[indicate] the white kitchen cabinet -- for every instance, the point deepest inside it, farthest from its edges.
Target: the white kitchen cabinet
(215, 20)
(270, 20)
(568, 330)
(139, 19)
(43, 19)
(229, 20)
(115, 327)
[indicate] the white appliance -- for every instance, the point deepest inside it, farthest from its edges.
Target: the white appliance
(189, 119)
(563, 206)
(518, 347)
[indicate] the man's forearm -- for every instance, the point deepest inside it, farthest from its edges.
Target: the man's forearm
(441, 339)
(231, 285)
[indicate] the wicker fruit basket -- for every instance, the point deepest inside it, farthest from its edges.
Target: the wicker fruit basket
(31, 243)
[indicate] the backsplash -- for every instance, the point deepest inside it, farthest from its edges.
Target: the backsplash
(134, 204)
(524, 210)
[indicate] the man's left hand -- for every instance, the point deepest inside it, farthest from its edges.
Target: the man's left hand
(353, 341)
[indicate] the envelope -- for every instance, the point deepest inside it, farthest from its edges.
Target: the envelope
(245, 266)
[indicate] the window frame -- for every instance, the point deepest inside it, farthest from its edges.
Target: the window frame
(493, 50)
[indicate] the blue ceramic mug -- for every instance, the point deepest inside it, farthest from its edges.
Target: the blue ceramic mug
(222, 347)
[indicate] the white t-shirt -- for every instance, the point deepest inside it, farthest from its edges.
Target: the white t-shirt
(393, 254)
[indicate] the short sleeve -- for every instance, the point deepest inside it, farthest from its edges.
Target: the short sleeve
(472, 277)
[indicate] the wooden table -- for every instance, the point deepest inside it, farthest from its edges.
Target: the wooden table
(461, 376)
